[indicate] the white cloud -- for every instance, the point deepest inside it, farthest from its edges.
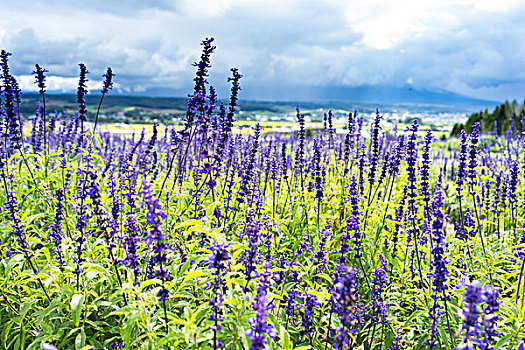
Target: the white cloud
(468, 46)
(55, 83)
(63, 84)
(495, 6)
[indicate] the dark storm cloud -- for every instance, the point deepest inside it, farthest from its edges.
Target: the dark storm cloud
(469, 47)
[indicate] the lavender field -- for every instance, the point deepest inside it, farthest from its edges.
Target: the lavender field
(203, 237)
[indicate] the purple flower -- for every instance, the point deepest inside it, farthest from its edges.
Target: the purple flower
(396, 345)
(299, 156)
(361, 157)
(470, 313)
(250, 258)
(439, 264)
(227, 119)
(234, 95)
(479, 327)
(217, 262)
(318, 171)
(130, 240)
(461, 173)
(374, 157)
(307, 320)
(411, 160)
(319, 257)
(425, 168)
(12, 129)
(330, 125)
(513, 181)
(473, 152)
(55, 234)
(490, 319)
(219, 258)
(344, 301)
(249, 168)
(16, 92)
(81, 100)
(117, 346)
(439, 261)
(352, 223)
(203, 65)
(11, 209)
(81, 225)
(469, 227)
(258, 324)
(52, 121)
(82, 91)
(40, 78)
(108, 81)
(377, 305)
(156, 236)
(398, 225)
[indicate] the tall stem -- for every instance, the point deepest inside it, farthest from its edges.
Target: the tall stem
(45, 132)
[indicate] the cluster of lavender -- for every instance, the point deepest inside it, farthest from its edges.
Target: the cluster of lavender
(155, 238)
(379, 253)
(217, 263)
(259, 324)
(440, 271)
(12, 126)
(344, 300)
(479, 326)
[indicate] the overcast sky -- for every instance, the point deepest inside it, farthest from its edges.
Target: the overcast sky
(475, 48)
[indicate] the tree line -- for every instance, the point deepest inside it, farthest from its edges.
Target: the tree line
(509, 116)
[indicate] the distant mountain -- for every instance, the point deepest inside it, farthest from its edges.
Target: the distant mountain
(376, 95)
(365, 94)
(278, 99)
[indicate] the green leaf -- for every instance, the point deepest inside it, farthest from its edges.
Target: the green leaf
(80, 341)
(503, 341)
(191, 275)
(129, 328)
(318, 294)
(146, 284)
(445, 338)
(22, 336)
(77, 302)
(324, 276)
(25, 308)
(5, 332)
(285, 339)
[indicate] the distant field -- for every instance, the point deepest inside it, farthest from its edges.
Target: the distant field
(246, 127)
